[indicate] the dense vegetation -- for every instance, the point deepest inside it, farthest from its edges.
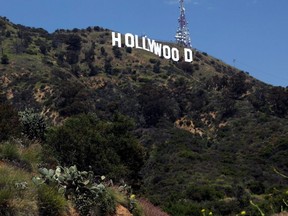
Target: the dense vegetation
(193, 138)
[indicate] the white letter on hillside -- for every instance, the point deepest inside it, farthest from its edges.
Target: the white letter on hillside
(175, 54)
(116, 39)
(158, 49)
(155, 47)
(137, 42)
(151, 45)
(188, 55)
(129, 40)
(166, 52)
(144, 44)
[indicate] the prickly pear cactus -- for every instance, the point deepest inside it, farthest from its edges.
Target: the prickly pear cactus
(33, 124)
(79, 186)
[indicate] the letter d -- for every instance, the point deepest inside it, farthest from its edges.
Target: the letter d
(188, 55)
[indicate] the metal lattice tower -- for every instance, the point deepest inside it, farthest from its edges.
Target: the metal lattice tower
(182, 35)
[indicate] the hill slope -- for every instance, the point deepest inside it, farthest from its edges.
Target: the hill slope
(212, 135)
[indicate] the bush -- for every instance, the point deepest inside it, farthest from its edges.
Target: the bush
(186, 67)
(72, 57)
(9, 151)
(237, 85)
(5, 59)
(128, 49)
(5, 196)
(80, 187)
(108, 66)
(117, 52)
(103, 51)
(9, 122)
(43, 49)
(33, 153)
(15, 194)
(153, 61)
(156, 104)
(183, 209)
(50, 202)
(33, 124)
(74, 42)
(201, 193)
(108, 147)
(156, 67)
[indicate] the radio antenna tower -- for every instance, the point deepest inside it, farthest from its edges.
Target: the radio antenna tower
(182, 35)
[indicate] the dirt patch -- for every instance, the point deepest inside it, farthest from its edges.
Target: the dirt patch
(5, 81)
(41, 94)
(9, 94)
(122, 211)
(96, 83)
(188, 125)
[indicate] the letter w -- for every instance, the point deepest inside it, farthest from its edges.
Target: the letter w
(155, 47)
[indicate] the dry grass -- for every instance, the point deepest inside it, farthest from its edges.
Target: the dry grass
(21, 200)
(150, 210)
(122, 211)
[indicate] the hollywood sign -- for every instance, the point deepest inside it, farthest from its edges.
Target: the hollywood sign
(152, 46)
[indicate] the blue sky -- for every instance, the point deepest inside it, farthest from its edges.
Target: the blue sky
(254, 33)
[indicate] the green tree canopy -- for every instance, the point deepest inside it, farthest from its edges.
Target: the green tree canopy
(108, 147)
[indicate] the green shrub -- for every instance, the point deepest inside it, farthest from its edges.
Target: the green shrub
(32, 154)
(183, 209)
(108, 147)
(200, 193)
(153, 61)
(4, 59)
(13, 190)
(74, 42)
(117, 52)
(137, 210)
(80, 187)
(9, 151)
(156, 67)
(33, 124)
(50, 202)
(128, 49)
(107, 203)
(5, 196)
(9, 122)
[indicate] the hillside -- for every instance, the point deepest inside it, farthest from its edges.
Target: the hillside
(187, 136)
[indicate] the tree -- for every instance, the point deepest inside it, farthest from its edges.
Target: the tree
(108, 66)
(9, 122)
(128, 49)
(237, 85)
(90, 54)
(156, 103)
(74, 42)
(186, 67)
(4, 59)
(43, 49)
(72, 57)
(108, 147)
(278, 100)
(73, 49)
(103, 51)
(117, 52)
(156, 67)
